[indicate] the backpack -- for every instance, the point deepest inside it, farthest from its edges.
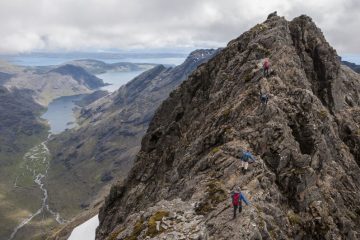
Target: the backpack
(246, 156)
(236, 199)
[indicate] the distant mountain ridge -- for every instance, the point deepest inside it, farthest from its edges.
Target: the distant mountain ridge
(351, 65)
(98, 67)
(48, 83)
(80, 75)
(4, 77)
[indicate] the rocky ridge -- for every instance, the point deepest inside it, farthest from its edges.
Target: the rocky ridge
(304, 184)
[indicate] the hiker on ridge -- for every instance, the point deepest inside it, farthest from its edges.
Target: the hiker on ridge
(246, 158)
(264, 98)
(237, 197)
(266, 67)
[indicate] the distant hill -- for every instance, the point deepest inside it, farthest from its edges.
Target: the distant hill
(80, 75)
(4, 77)
(97, 67)
(48, 83)
(351, 65)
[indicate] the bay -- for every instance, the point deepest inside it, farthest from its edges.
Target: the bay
(117, 79)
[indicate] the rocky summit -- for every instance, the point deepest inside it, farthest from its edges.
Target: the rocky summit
(305, 181)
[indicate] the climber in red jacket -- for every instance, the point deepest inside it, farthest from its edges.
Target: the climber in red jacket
(237, 198)
(266, 67)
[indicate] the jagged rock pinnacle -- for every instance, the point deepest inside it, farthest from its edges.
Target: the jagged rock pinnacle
(274, 14)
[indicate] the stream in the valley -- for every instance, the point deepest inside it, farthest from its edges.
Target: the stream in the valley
(36, 161)
(60, 116)
(36, 164)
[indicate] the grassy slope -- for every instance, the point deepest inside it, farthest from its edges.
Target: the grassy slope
(14, 199)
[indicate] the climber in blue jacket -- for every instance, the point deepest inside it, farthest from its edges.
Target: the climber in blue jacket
(246, 158)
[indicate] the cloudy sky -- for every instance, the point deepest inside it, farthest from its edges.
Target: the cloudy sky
(96, 25)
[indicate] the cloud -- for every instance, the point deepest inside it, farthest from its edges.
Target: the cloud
(68, 25)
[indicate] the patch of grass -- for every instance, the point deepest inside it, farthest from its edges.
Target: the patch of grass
(273, 234)
(215, 150)
(294, 218)
(215, 194)
(262, 220)
(299, 171)
(226, 113)
(248, 76)
(138, 228)
(264, 51)
(323, 114)
(115, 233)
(357, 132)
(259, 28)
(158, 216)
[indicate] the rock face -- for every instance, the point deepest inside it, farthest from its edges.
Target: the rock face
(104, 146)
(305, 182)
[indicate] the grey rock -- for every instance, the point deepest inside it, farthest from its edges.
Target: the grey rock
(306, 141)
